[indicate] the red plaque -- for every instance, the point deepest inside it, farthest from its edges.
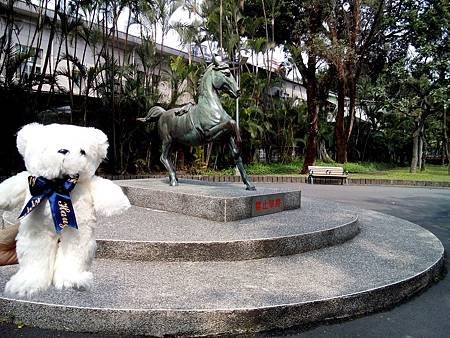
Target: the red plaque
(268, 204)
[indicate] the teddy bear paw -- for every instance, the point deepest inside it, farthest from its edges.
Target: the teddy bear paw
(26, 286)
(81, 281)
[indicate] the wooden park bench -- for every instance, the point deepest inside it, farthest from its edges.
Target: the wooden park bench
(327, 172)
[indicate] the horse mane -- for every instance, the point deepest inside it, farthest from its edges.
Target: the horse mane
(201, 81)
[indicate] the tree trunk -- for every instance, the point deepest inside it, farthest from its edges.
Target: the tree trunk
(444, 137)
(322, 153)
(423, 149)
(420, 152)
(448, 147)
(313, 112)
(221, 28)
(448, 156)
(311, 142)
(349, 65)
(415, 151)
(341, 143)
(351, 108)
(308, 72)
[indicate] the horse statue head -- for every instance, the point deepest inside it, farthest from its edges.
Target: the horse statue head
(222, 79)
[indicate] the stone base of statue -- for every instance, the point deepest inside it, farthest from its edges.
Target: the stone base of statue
(204, 259)
(219, 202)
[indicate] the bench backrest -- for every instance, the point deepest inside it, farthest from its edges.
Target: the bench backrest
(326, 170)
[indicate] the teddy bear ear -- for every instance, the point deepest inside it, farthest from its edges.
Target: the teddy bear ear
(26, 134)
(101, 140)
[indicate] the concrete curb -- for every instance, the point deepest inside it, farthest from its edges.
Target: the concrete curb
(292, 179)
(282, 179)
(227, 250)
(168, 322)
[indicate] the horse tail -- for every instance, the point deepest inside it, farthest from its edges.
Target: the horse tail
(153, 114)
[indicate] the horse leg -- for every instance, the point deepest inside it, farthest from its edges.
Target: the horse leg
(238, 161)
(165, 160)
(217, 131)
(235, 129)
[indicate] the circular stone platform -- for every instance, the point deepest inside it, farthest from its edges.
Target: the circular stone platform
(390, 260)
(146, 234)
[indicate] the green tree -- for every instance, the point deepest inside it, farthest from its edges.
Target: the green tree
(420, 85)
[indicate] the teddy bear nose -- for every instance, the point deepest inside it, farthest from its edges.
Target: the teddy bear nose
(63, 151)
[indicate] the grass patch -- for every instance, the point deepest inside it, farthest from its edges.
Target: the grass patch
(364, 167)
(371, 170)
(210, 172)
(291, 168)
(435, 173)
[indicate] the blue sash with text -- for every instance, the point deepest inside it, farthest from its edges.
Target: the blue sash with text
(58, 194)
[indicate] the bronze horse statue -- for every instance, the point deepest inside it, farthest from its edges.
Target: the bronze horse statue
(202, 123)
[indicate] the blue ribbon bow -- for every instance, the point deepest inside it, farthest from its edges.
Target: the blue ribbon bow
(58, 193)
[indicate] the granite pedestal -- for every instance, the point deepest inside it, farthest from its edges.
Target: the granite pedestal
(222, 202)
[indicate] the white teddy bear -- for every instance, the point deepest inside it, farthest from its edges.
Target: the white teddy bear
(61, 197)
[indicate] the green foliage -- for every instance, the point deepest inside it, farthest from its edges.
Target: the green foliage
(232, 23)
(365, 167)
(291, 168)
(369, 170)
(209, 172)
(183, 78)
(404, 78)
(436, 173)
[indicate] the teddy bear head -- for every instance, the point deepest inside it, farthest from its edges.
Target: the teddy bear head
(61, 150)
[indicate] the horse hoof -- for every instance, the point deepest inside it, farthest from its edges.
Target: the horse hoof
(251, 188)
(173, 184)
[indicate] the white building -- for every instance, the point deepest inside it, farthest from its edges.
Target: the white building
(26, 38)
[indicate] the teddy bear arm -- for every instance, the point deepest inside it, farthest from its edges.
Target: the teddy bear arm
(108, 197)
(13, 191)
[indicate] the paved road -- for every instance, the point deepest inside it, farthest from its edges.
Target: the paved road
(426, 315)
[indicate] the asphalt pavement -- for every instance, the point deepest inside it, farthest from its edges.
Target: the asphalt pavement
(425, 315)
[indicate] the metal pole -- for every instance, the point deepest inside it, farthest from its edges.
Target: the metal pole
(238, 72)
(220, 32)
(238, 80)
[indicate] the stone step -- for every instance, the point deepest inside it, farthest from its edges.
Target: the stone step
(390, 260)
(221, 202)
(146, 234)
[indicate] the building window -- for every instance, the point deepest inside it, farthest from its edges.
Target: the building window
(26, 68)
(200, 51)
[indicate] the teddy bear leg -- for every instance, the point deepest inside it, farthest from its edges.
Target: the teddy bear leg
(73, 259)
(36, 251)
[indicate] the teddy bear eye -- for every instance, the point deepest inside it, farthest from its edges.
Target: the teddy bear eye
(82, 152)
